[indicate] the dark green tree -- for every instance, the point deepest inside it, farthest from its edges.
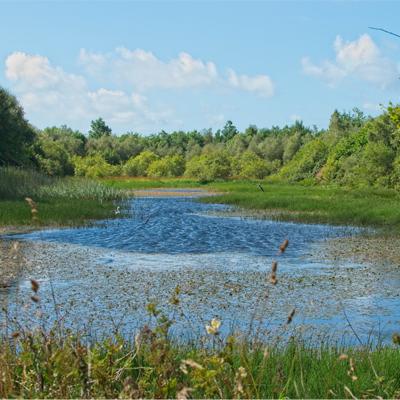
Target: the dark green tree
(229, 131)
(98, 128)
(16, 134)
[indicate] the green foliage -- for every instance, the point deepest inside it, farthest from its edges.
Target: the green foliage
(47, 365)
(354, 151)
(18, 183)
(371, 167)
(98, 128)
(59, 200)
(307, 162)
(16, 134)
(137, 166)
(94, 167)
(168, 166)
(250, 165)
(349, 146)
(209, 166)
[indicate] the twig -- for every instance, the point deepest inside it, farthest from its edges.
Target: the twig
(350, 325)
(384, 30)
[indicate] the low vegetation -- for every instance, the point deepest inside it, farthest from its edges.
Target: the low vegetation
(37, 363)
(59, 201)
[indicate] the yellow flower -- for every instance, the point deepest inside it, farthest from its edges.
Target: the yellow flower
(214, 326)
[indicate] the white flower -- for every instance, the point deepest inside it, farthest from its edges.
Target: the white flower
(213, 328)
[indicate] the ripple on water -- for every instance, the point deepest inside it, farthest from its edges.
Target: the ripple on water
(108, 272)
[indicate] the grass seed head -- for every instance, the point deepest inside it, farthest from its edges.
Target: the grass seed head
(35, 285)
(284, 245)
(290, 316)
(35, 299)
(274, 266)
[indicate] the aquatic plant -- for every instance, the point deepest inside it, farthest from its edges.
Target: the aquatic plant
(36, 362)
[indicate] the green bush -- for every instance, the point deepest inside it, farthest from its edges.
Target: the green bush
(307, 162)
(250, 165)
(169, 166)
(94, 167)
(137, 166)
(207, 167)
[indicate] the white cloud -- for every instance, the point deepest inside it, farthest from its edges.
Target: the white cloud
(143, 70)
(113, 85)
(66, 98)
(361, 59)
(260, 84)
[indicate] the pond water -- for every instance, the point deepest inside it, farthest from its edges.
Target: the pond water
(101, 277)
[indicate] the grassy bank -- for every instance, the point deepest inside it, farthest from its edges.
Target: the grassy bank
(58, 201)
(45, 366)
(294, 202)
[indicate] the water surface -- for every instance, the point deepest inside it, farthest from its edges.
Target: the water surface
(103, 276)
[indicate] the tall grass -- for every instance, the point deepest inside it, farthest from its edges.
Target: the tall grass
(17, 183)
(61, 201)
(46, 366)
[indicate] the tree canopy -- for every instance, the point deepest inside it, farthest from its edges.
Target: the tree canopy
(16, 134)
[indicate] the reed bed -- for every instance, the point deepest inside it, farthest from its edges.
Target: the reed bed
(58, 201)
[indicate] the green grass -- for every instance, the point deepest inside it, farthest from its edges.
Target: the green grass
(60, 201)
(294, 202)
(48, 366)
(148, 183)
(55, 212)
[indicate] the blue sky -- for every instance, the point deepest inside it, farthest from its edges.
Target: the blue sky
(147, 66)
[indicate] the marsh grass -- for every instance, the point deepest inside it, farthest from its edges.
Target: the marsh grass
(45, 366)
(59, 201)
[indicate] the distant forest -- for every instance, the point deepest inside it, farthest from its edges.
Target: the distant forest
(355, 150)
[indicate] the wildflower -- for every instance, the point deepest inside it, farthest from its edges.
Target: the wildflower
(343, 357)
(213, 328)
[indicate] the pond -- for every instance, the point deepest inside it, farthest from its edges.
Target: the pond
(100, 278)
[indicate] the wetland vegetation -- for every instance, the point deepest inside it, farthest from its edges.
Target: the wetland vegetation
(152, 298)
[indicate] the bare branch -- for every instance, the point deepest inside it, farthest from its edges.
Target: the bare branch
(384, 30)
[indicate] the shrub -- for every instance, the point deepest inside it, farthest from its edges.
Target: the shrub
(307, 162)
(94, 167)
(137, 166)
(208, 167)
(250, 165)
(169, 166)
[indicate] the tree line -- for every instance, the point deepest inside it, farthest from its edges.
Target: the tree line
(355, 150)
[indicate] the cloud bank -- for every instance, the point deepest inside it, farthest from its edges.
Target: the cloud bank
(117, 85)
(359, 59)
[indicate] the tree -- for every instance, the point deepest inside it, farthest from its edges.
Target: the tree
(137, 166)
(98, 128)
(16, 134)
(229, 131)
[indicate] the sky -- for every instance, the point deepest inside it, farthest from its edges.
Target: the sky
(184, 65)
